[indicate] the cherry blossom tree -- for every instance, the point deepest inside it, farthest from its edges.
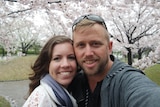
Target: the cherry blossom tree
(6, 37)
(131, 23)
(16, 29)
(153, 56)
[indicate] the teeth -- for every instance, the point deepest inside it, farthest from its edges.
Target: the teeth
(65, 73)
(89, 62)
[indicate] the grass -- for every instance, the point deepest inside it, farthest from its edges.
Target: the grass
(4, 102)
(19, 68)
(16, 69)
(153, 73)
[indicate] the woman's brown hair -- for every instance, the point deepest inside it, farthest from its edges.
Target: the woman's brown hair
(41, 66)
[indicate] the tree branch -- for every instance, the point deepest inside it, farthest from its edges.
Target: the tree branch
(18, 11)
(11, 0)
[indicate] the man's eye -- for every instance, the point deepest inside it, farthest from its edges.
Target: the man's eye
(80, 45)
(96, 44)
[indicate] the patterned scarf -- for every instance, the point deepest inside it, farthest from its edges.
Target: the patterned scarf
(60, 93)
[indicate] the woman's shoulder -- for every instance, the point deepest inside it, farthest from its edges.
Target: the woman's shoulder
(37, 97)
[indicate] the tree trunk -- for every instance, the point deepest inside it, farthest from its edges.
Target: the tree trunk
(129, 56)
(140, 54)
(24, 51)
(3, 52)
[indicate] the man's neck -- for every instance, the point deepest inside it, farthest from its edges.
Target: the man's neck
(94, 79)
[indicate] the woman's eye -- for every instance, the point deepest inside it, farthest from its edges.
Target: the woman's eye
(72, 57)
(56, 59)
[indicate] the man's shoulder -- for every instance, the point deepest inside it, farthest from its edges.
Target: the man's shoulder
(123, 70)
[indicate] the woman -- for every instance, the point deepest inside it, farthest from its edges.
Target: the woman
(53, 71)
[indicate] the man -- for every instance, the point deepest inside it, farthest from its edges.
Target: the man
(104, 80)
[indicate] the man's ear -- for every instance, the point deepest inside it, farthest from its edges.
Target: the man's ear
(110, 45)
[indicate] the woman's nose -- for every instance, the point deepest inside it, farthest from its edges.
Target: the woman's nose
(65, 63)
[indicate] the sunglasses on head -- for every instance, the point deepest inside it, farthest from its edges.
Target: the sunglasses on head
(89, 17)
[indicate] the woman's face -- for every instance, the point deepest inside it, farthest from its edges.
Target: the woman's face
(63, 65)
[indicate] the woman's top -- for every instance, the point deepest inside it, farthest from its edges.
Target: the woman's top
(44, 96)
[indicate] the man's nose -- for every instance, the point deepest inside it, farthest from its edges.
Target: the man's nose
(88, 50)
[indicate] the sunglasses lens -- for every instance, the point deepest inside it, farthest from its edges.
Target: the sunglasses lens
(95, 18)
(89, 17)
(78, 20)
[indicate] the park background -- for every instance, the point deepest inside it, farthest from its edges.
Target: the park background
(25, 25)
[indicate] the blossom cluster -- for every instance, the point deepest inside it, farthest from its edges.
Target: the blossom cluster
(151, 59)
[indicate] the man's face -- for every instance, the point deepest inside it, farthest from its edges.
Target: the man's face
(92, 49)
